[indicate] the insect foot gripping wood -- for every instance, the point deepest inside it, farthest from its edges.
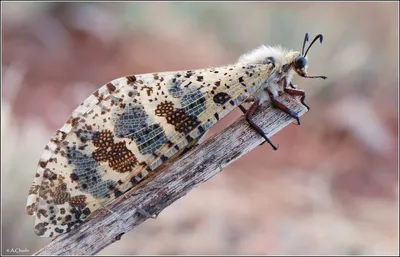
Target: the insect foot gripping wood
(128, 130)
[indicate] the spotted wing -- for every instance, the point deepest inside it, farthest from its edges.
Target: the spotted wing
(126, 130)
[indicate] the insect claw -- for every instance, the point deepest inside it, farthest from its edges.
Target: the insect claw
(296, 92)
(269, 141)
(242, 109)
(248, 113)
(277, 104)
(308, 107)
(296, 117)
(265, 137)
(118, 237)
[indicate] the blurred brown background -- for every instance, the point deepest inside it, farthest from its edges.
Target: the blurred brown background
(331, 188)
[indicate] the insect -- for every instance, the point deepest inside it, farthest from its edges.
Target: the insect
(133, 125)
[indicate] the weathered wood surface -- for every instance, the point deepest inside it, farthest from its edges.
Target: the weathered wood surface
(172, 182)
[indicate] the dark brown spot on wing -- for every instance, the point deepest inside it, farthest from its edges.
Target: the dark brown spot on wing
(86, 211)
(221, 98)
(48, 174)
(103, 139)
(31, 209)
(78, 201)
(34, 189)
(74, 177)
(42, 212)
(164, 109)
(182, 122)
(42, 164)
(118, 156)
(41, 228)
(110, 87)
(130, 79)
(61, 196)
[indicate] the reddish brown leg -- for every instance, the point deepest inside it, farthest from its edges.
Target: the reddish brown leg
(277, 104)
(242, 109)
(248, 113)
(250, 100)
(294, 91)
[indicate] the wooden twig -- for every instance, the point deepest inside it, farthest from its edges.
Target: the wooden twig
(172, 182)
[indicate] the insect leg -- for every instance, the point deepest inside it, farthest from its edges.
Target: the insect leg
(294, 91)
(281, 106)
(248, 113)
(251, 99)
(242, 109)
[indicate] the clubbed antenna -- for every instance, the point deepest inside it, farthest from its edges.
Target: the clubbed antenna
(315, 39)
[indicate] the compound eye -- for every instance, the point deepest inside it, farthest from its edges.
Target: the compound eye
(300, 62)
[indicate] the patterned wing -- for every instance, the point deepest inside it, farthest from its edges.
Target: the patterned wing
(126, 130)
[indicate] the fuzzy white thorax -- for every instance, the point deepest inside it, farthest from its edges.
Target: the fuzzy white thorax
(259, 54)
